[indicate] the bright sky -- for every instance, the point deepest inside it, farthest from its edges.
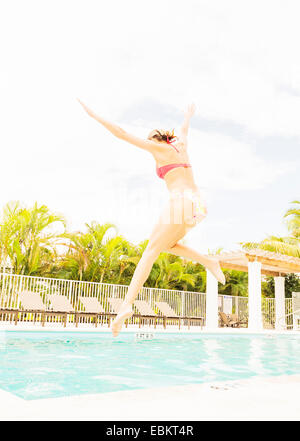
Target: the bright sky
(139, 64)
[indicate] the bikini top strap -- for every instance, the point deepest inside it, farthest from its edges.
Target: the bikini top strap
(170, 142)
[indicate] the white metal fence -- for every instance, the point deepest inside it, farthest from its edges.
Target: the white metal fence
(239, 306)
(183, 303)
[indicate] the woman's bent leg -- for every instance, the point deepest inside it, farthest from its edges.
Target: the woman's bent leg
(210, 263)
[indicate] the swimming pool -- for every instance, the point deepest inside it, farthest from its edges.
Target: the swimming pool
(36, 365)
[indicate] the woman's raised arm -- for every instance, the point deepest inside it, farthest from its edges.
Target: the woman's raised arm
(117, 131)
(186, 122)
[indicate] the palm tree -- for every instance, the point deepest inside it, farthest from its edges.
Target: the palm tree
(99, 255)
(84, 257)
(110, 258)
(168, 272)
(236, 283)
(199, 272)
(282, 245)
(75, 262)
(293, 223)
(289, 245)
(129, 260)
(27, 238)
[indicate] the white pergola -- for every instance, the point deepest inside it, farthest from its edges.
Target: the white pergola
(255, 262)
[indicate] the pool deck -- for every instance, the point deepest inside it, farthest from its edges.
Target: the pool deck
(53, 327)
(270, 398)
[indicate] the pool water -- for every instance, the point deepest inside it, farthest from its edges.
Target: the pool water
(37, 365)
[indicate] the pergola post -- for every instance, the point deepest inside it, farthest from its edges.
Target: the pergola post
(211, 301)
(254, 299)
(256, 262)
(280, 322)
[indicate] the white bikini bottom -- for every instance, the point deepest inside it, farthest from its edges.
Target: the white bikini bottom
(188, 206)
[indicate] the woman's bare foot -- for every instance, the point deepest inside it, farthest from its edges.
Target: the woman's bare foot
(215, 269)
(124, 313)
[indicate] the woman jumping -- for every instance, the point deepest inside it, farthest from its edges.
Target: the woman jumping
(185, 207)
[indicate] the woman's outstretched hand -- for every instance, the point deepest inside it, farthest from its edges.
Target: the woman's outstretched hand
(87, 109)
(190, 110)
(113, 128)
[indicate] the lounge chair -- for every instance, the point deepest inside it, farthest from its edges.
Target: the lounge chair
(32, 303)
(93, 308)
(10, 312)
(91, 305)
(115, 305)
(60, 304)
(235, 318)
(27, 302)
(168, 312)
(145, 312)
(231, 321)
(166, 309)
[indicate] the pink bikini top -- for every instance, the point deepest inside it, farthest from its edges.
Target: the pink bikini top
(162, 171)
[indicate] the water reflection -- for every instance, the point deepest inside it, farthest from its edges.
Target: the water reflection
(2, 341)
(256, 355)
(212, 358)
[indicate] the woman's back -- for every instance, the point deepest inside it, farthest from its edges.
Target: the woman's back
(173, 165)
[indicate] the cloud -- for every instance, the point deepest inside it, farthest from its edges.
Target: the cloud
(227, 164)
(141, 65)
(227, 56)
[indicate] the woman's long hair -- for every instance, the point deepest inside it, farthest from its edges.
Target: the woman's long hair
(162, 135)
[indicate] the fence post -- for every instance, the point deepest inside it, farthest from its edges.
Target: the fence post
(151, 297)
(3, 283)
(70, 290)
